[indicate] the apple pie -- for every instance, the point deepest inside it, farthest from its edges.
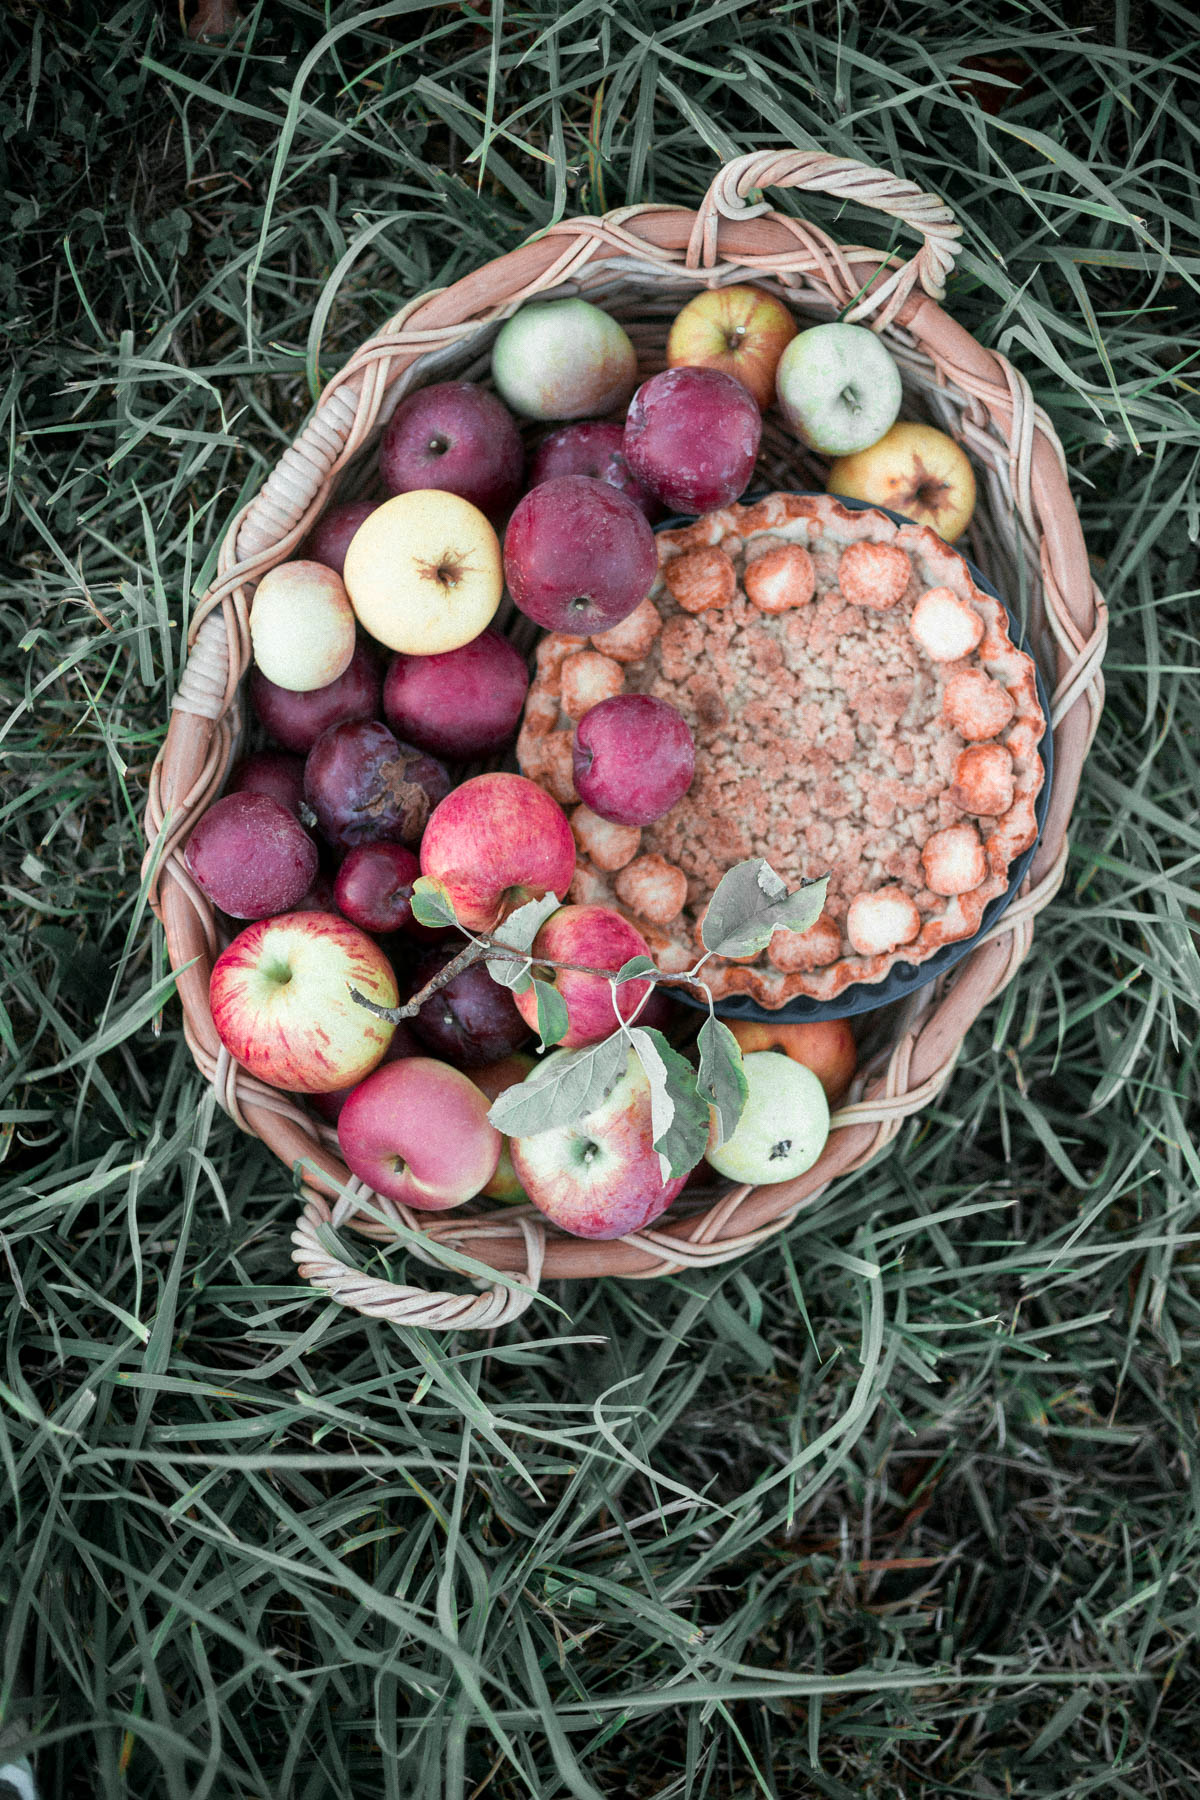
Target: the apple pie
(859, 709)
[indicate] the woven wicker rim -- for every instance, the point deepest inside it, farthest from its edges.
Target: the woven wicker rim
(1025, 520)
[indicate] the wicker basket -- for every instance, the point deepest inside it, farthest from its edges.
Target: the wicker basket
(640, 263)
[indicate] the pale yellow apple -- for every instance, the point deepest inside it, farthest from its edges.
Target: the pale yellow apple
(915, 470)
(739, 330)
(301, 626)
(424, 573)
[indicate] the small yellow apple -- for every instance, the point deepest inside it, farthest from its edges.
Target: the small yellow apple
(740, 330)
(301, 626)
(915, 470)
(423, 572)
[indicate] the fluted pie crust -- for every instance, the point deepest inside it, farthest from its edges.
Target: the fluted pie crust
(859, 708)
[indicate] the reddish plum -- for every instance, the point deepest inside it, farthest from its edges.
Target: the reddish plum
(374, 887)
(251, 856)
(634, 758)
(275, 772)
(578, 555)
(461, 703)
(593, 447)
(366, 788)
(472, 1020)
(297, 720)
(691, 437)
(329, 539)
(457, 437)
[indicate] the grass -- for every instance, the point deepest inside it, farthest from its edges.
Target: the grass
(905, 1504)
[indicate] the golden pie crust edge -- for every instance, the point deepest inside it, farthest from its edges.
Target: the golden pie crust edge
(779, 974)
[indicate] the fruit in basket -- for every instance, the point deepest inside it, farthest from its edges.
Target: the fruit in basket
(742, 331)
(691, 437)
(280, 998)
(826, 1046)
(599, 1177)
(329, 539)
(578, 555)
(329, 1106)
(462, 703)
(493, 1081)
(251, 856)
(602, 938)
(839, 388)
(364, 786)
(418, 1132)
(275, 772)
(471, 1021)
(297, 720)
(634, 758)
(563, 359)
(914, 470)
(458, 437)
(495, 842)
(423, 573)
(783, 1127)
(301, 626)
(374, 887)
(593, 447)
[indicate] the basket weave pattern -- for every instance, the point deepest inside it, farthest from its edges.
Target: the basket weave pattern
(640, 263)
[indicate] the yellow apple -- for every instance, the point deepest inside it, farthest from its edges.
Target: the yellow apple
(301, 627)
(741, 331)
(915, 470)
(423, 572)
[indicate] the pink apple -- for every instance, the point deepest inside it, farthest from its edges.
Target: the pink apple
(330, 1105)
(329, 539)
(418, 1132)
(593, 447)
(460, 703)
(495, 842)
(457, 437)
(280, 998)
(601, 938)
(493, 1081)
(599, 1177)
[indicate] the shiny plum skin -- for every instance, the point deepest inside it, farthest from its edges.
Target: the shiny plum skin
(578, 555)
(461, 703)
(365, 787)
(278, 773)
(252, 857)
(297, 720)
(329, 539)
(458, 437)
(634, 758)
(691, 437)
(373, 888)
(593, 447)
(470, 1022)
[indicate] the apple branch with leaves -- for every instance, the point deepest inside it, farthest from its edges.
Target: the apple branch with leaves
(750, 903)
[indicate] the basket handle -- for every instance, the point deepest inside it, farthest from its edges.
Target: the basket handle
(821, 173)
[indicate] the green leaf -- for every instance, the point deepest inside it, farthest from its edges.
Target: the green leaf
(751, 902)
(431, 904)
(568, 1086)
(552, 1017)
(635, 969)
(522, 925)
(678, 1116)
(514, 975)
(721, 1079)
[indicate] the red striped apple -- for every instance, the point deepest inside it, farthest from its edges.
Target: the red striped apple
(280, 998)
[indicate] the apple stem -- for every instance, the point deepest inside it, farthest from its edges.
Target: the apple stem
(851, 401)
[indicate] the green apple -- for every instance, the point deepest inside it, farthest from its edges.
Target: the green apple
(783, 1126)
(838, 388)
(563, 359)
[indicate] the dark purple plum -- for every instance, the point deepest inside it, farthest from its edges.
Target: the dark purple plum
(578, 555)
(460, 703)
(691, 437)
(251, 856)
(593, 447)
(366, 788)
(470, 1022)
(297, 720)
(329, 539)
(278, 773)
(374, 887)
